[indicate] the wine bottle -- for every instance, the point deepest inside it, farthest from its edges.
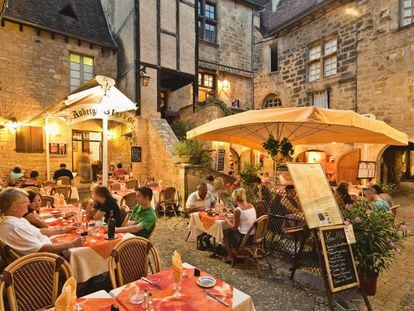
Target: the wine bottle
(111, 226)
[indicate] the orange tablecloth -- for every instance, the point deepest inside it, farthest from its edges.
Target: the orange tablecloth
(96, 304)
(193, 297)
(207, 220)
(99, 244)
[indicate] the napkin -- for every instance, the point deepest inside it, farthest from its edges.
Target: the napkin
(67, 299)
(177, 267)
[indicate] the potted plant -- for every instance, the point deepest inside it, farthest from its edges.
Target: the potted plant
(249, 172)
(279, 150)
(378, 241)
(191, 151)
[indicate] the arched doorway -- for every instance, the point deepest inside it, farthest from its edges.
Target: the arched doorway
(234, 162)
(397, 164)
(347, 168)
(319, 156)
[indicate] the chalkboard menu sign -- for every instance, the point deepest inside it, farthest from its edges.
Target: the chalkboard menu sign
(338, 258)
(135, 154)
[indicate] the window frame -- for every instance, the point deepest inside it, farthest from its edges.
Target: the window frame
(220, 159)
(271, 48)
(325, 92)
(205, 88)
(82, 79)
(401, 13)
(203, 19)
(274, 97)
(321, 60)
(29, 139)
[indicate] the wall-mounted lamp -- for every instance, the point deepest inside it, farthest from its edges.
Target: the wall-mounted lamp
(145, 78)
(13, 124)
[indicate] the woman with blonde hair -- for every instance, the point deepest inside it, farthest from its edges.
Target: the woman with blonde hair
(244, 215)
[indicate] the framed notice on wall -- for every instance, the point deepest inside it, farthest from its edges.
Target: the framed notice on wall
(315, 195)
(136, 154)
(366, 169)
(57, 149)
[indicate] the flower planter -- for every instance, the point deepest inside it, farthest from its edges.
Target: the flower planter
(183, 159)
(369, 284)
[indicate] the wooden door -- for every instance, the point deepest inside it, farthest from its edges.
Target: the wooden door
(347, 169)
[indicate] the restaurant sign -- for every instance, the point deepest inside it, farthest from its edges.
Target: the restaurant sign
(81, 113)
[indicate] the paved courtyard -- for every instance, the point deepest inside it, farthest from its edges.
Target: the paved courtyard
(275, 291)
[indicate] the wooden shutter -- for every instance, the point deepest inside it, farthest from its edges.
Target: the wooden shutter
(22, 139)
(29, 139)
(36, 139)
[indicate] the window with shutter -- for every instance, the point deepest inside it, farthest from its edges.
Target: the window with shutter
(29, 139)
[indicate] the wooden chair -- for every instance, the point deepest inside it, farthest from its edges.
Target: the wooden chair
(65, 190)
(7, 255)
(64, 180)
(130, 260)
(33, 188)
(32, 282)
(132, 184)
(393, 210)
(167, 200)
(125, 214)
(129, 200)
(47, 199)
(252, 250)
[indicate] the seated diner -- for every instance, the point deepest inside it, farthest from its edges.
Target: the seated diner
(200, 200)
(383, 195)
(143, 218)
(378, 204)
(244, 215)
(104, 204)
(33, 209)
(32, 181)
(20, 234)
(62, 171)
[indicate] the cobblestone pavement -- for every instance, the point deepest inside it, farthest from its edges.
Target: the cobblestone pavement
(275, 291)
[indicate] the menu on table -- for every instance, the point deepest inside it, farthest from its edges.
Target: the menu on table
(315, 195)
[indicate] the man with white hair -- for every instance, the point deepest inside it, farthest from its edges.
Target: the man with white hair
(200, 200)
(20, 234)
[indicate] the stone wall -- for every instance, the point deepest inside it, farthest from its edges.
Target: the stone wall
(203, 114)
(290, 81)
(34, 73)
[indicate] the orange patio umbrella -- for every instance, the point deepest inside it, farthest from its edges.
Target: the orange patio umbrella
(301, 125)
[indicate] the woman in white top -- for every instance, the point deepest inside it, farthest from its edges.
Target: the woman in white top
(244, 217)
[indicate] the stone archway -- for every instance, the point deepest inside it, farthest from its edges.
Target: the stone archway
(397, 164)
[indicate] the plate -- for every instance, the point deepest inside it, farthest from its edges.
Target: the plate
(206, 282)
(106, 237)
(56, 212)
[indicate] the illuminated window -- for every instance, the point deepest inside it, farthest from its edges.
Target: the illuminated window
(206, 85)
(81, 70)
(320, 99)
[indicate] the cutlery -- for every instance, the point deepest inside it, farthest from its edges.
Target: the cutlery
(151, 283)
(216, 299)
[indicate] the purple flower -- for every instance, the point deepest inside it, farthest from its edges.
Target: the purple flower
(358, 220)
(392, 244)
(347, 222)
(403, 227)
(348, 207)
(398, 250)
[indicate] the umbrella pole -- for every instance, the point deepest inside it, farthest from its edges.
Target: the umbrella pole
(105, 150)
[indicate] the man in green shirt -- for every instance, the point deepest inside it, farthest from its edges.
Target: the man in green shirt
(143, 217)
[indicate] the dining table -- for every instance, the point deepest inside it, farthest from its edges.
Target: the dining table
(192, 296)
(214, 225)
(90, 259)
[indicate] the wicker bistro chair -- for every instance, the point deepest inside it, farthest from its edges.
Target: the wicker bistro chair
(7, 255)
(47, 199)
(65, 190)
(33, 188)
(64, 180)
(130, 260)
(129, 200)
(167, 200)
(115, 186)
(125, 214)
(252, 250)
(132, 184)
(33, 282)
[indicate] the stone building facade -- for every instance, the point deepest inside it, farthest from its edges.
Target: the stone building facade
(341, 55)
(35, 71)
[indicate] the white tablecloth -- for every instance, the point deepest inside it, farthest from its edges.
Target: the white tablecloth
(87, 263)
(196, 228)
(75, 194)
(241, 301)
(98, 294)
